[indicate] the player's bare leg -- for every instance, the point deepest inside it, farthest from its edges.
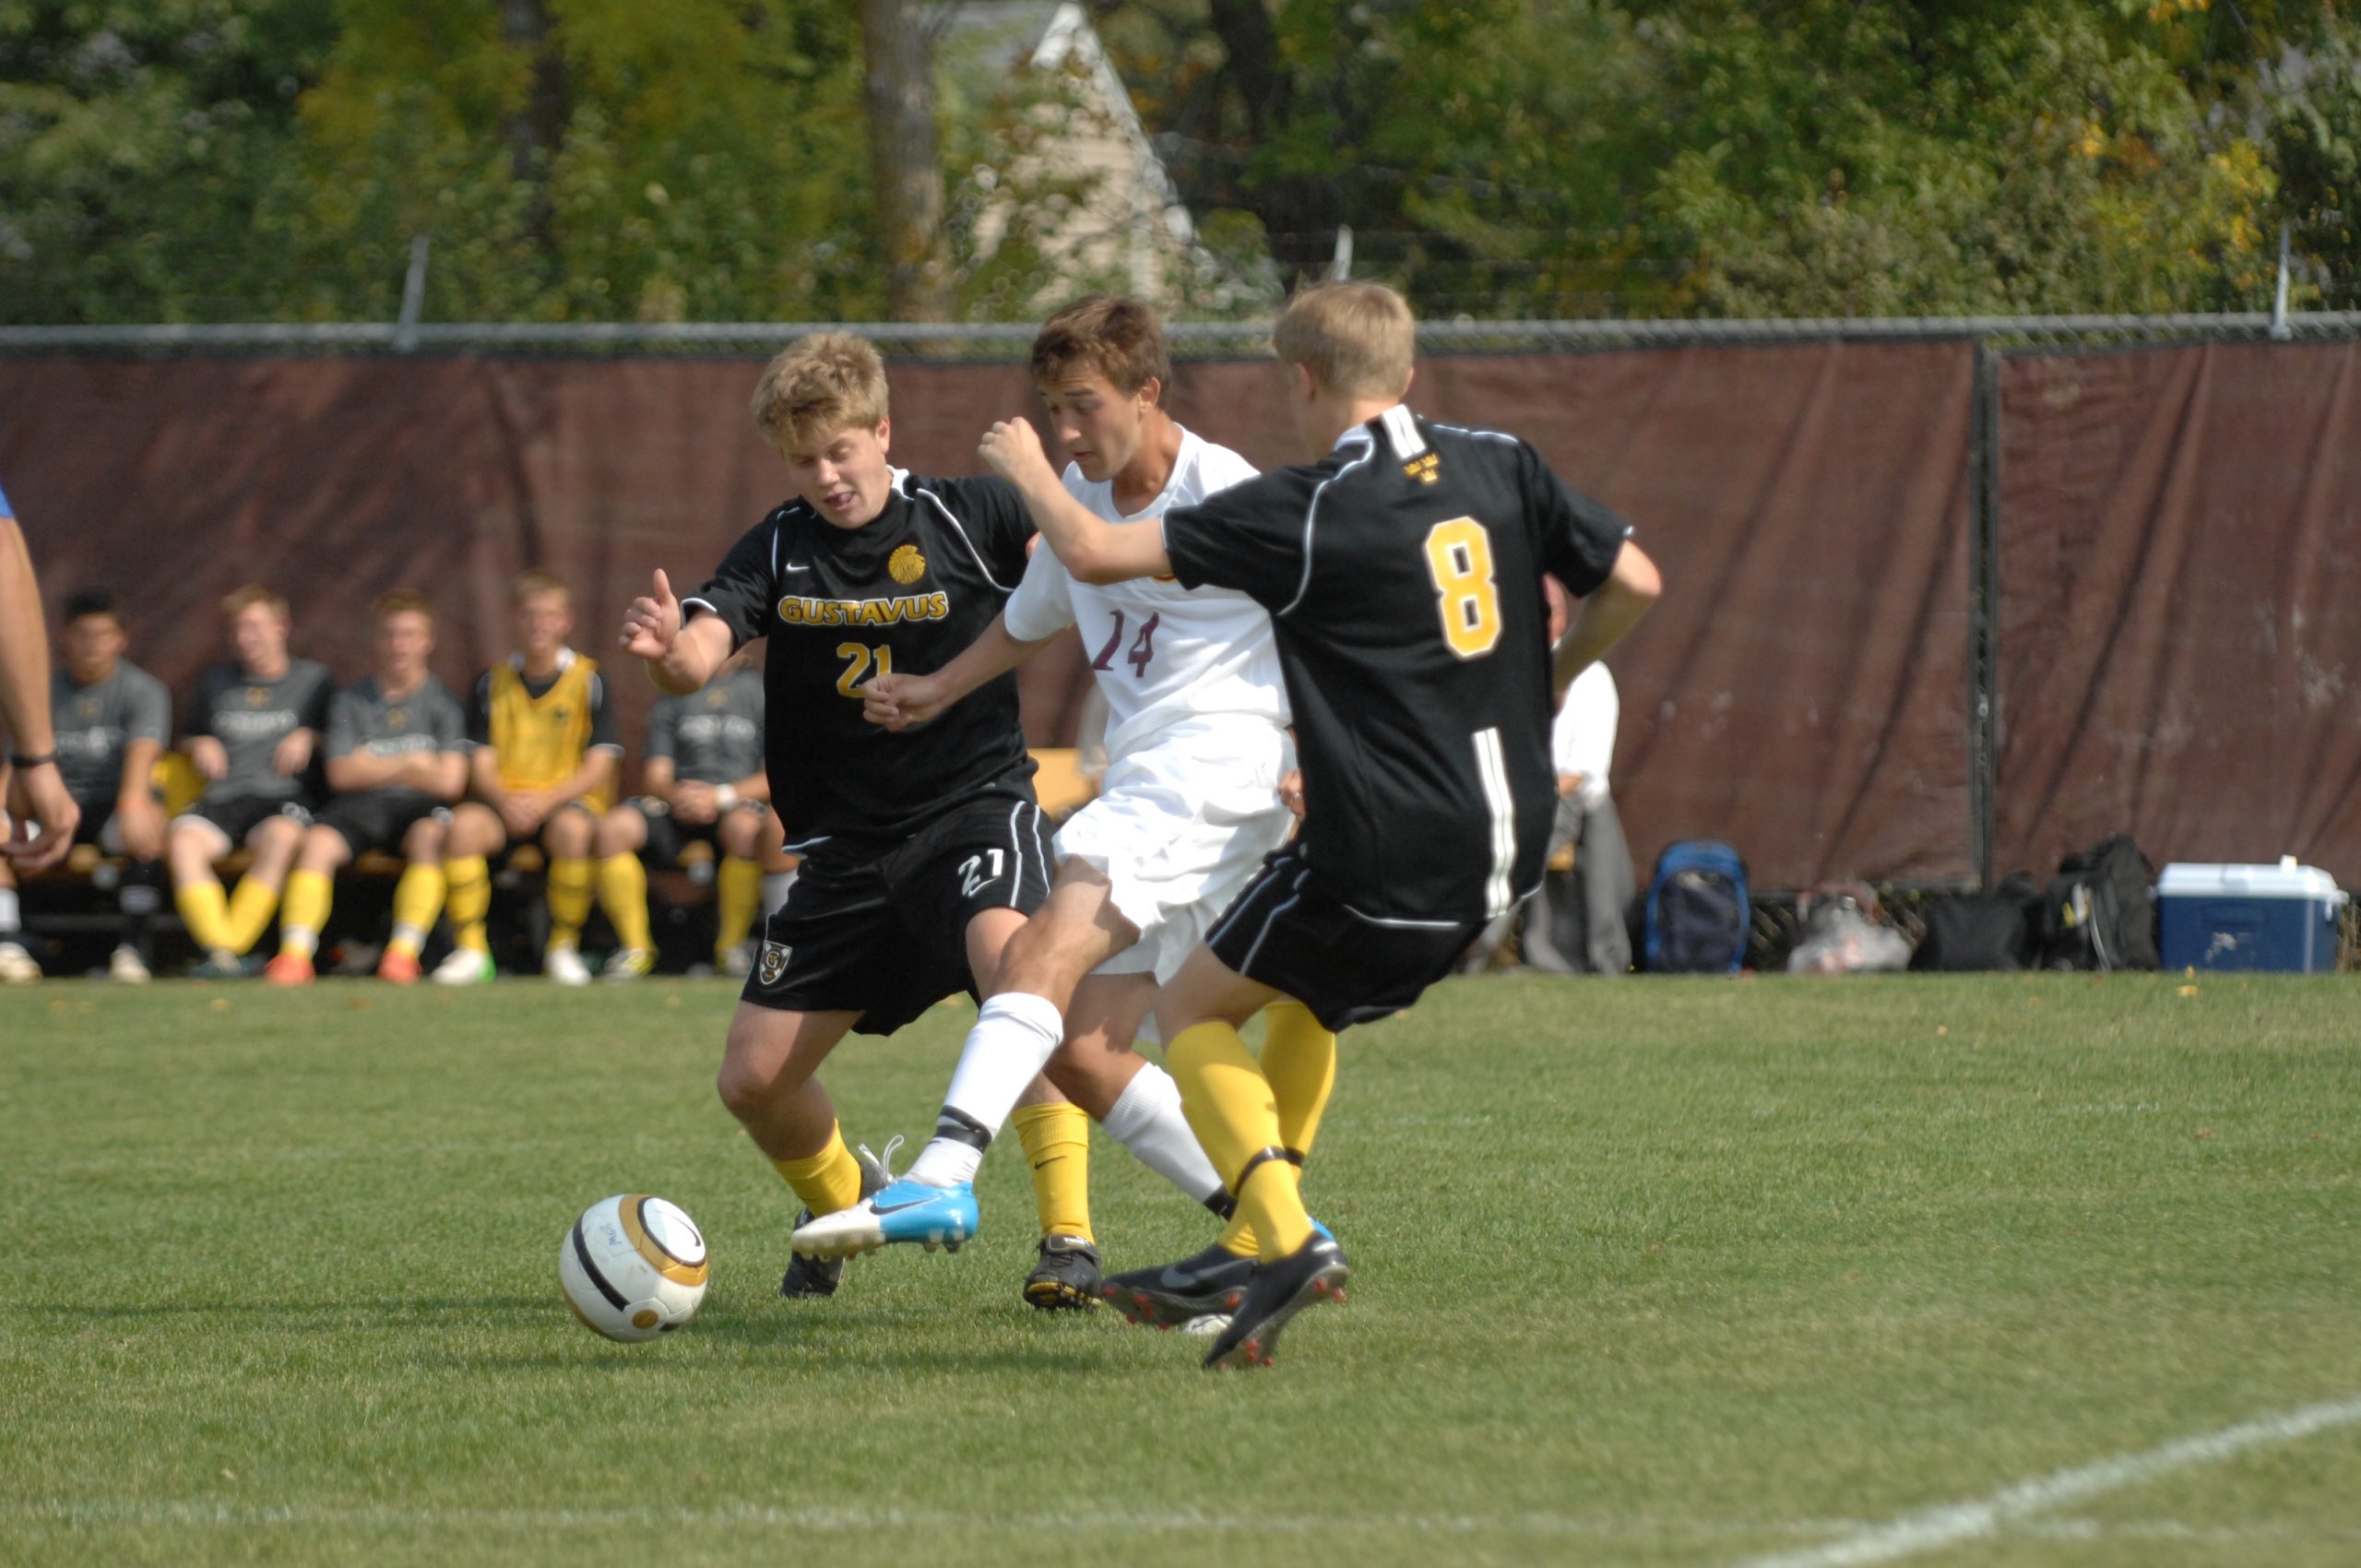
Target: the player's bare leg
(567, 837)
(1231, 1108)
(310, 886)
(622, 891)
(475, 835)
(417, 897)
(192, 846)
(738, 886)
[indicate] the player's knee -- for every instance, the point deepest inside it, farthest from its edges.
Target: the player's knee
(569, 833)
(323, 850)
(746, 1085)
(423, 842)
(614, 835)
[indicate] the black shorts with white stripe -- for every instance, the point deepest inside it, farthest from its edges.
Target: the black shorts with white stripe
(882, 930)
(1347, 968)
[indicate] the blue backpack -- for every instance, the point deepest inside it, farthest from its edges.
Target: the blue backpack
(1698, 916)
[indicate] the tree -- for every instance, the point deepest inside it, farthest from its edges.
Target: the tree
(905, 158)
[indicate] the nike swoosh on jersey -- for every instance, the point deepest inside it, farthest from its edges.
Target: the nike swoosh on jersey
(795, 566)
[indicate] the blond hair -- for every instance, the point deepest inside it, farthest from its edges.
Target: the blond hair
(534, 583)
(1358, 339)
(822, 383)
(239, 599)
(400, 601)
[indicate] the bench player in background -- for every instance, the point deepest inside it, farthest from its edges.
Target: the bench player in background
(396, 761)
(543, 752)
(1403, 570)
(253, 732)
(110, 718)
(1197, 744)
(701, 781)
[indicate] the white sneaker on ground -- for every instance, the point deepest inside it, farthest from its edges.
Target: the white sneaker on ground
(739, 962)
(628, 964)
(17, 966)
(463, 967)
(126, 965)
(565, 966)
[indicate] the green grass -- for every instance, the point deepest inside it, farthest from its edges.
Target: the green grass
(1649, 1272)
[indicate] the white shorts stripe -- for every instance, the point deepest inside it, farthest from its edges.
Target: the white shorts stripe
(1295, 896)
(1493, 765)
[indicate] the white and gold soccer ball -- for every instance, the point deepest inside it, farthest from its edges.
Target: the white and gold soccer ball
(634, 1267)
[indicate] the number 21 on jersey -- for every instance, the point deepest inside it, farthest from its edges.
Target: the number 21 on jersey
(857, 662)
(1459, 559)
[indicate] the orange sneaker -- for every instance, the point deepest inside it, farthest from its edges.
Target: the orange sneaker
(397, 967)
(288, 969)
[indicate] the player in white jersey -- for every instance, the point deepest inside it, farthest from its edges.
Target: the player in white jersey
(1197, 745)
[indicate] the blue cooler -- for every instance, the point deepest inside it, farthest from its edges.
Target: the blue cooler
(2281, 917)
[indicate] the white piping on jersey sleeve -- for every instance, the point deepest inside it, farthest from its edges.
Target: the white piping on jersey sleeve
(902, 483)
(1312, 517)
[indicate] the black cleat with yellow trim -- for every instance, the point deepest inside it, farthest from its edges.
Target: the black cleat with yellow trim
(819, 1277)
(1067, 1276)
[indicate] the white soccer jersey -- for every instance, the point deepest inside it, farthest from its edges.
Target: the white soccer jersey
(1162, 654)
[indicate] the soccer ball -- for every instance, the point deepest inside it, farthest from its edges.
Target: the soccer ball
(634, 1267)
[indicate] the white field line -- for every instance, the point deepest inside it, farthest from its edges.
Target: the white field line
(1931, 1530)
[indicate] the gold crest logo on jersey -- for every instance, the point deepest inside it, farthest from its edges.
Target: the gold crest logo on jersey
(773, 963)
(396, 719)
(905, 566)
(717, 699)
(257, 695)
(1423, 467)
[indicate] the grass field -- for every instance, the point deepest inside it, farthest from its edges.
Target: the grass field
(1651, 1272)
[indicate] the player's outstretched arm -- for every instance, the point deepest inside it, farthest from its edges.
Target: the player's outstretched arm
(1615, 607)
(1094, 550)
(680, 659)
(35, 794)
(898, 701)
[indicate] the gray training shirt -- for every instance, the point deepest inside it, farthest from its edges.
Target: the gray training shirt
(250, 717)
(713, 736)
(97, 723)
(362, 718)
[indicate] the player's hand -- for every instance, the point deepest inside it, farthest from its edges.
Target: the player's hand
(652, 625)
(694, 803)
(521, 812)
(1291, 792)
(292, 755)
(208, 756)
(40, 816)
(1012, 450)
(143, 826)
(902, 701)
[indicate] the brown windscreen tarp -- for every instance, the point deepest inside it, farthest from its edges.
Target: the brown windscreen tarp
(2180, 556)
(1801, 692)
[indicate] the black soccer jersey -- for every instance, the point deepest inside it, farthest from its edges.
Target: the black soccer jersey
(907, 592)
(1403, 575)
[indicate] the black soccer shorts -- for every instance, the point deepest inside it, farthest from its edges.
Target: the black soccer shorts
(883, 932)
(1345, 967)
(667, 835)
(238, 817)
(379, 819)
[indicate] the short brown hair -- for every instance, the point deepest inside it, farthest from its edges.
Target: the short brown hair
(401, 601)
(1356, 338)
(534, 583)
(238, 599)
(820, 385)
(1119, 337)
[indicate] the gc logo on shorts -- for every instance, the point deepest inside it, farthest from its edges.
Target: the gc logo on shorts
(773, 962)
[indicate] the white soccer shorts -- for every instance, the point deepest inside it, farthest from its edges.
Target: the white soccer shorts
(1179, 827)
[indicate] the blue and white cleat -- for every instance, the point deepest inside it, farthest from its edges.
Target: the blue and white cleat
(902, 1211)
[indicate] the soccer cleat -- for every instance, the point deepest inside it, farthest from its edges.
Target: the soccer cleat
(290, 968)
(398, 967)
(1313, 1272)
(221, 963)
(1067, 1276)
(899, 1212)
(17, 966)
(564, 964)
(126, 966)
(628, 964)
(466, 966)
(1208, 1285)
(819, 1277)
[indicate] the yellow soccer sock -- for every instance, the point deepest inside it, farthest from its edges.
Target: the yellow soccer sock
(418, 898)
(251, 907)
(1057, 1143)
(569, 901)
(1300, 1062)
(623, 893)
(310, 895)
(205, 909)
(1229, 1105)
(469, 900)
(739, 889)
(828, 1181)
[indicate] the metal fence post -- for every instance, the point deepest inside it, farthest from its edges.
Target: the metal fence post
(1983, 614)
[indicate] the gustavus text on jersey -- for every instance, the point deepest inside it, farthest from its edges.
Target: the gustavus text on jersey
(797, 610)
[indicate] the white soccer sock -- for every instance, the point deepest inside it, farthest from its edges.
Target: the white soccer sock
(10, 913)
(1015, 1035)
(1147, 1120)
(413, 935)
(300, 939)
(774, 886)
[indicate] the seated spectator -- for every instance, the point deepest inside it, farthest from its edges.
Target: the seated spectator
(702, 782)
(110, 718)
(396, 761)
(541, 766)
(251, 733)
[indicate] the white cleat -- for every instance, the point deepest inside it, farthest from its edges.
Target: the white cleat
(565, 966)
(17, 966)
(463, 967)
(124, 966)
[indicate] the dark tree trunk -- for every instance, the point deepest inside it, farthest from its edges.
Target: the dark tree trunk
(535, 132)
(905, 153)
